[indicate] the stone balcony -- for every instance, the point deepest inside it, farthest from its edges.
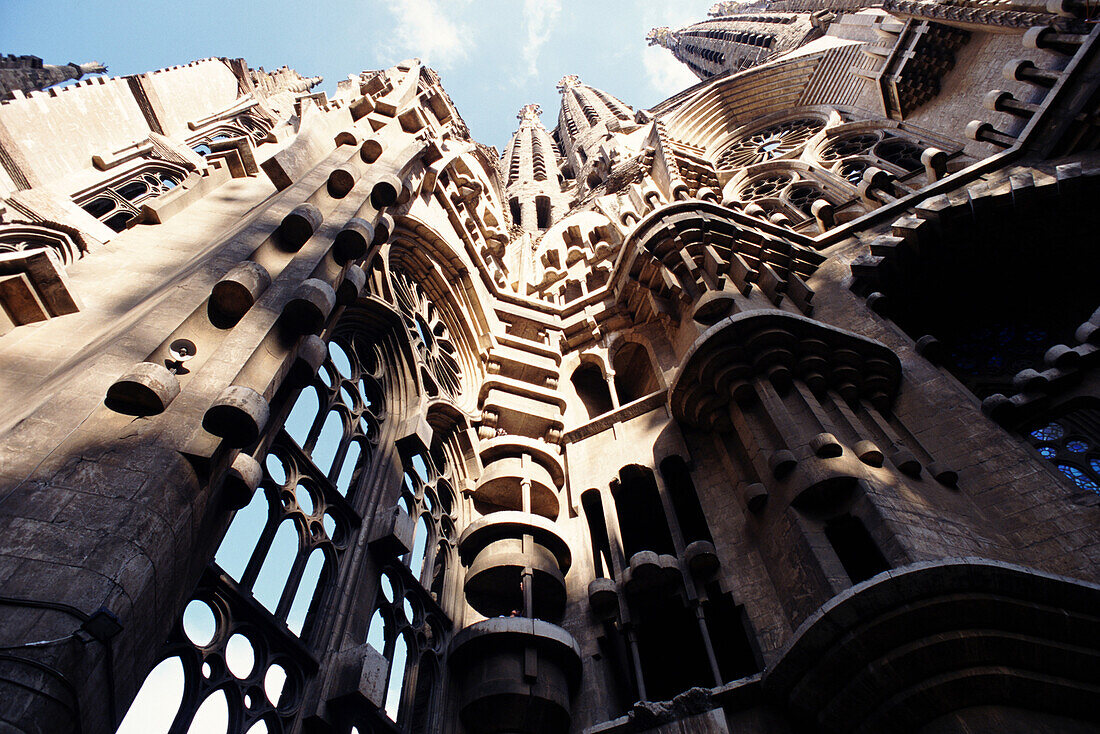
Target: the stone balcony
(515, 674)
(498, 549)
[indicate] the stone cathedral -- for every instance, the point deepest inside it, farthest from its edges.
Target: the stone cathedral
(774, 408)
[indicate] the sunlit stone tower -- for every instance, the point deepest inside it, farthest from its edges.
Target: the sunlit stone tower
(772, 408)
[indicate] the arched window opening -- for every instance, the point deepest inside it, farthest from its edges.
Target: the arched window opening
(1071, 441)
(212, 716)
(641, 515)
(307, 590)
(420, 547)
(421, 710)
(542, 211)
(592, 389)
(117, 203)
(158, 701)
(634, 377)
(685, 500)
(856, 549)
(731, 635)
(517, 212)
(397, 677)
(273, 576)
(597, 534)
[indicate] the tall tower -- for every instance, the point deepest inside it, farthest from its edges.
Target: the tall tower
(736, 39)
(534, 179)
(587, 122)
(780, 413)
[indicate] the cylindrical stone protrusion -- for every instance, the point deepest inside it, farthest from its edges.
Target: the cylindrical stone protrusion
(238, 289)
(1088, 333)
(1047, 38)
(1061, 356)
(238, 415)
(311, 355)
(779, 218)
(146, 389)
(1000, 101)
(241, 481)
(782, 463)
(755, 210)
(313, 301)
(386, 191)
(352, 241)
(983, 132)
(706, 193)
(878, 302)
(930, 348)
(945, 476)
(755, 497)
(1024, 70)
(906, 463)
(826, 446)
(935, 163)
(824, 212)
(383, 228)
(299, 226)
(868, 453)
(371, 151)
(351, 286)
(342, 180)
(679, 191)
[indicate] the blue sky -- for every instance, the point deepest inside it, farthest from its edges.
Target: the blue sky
(493, 55)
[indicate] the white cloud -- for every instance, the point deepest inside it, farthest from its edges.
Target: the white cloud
(424, 30)
(539, 19)
(665, 73)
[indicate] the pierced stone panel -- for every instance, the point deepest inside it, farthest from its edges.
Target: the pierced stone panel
(775, 141)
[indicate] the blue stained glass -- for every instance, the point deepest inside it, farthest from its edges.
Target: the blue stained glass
(1094, 464)
(1079, 477)
(1047, 451)
(1077, 446)
(1049, 432)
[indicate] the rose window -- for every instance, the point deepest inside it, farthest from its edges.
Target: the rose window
(765, 188)
(430, 333)
(770, 143)
(852, 171)
(849, 146)
(901, 152)
(803, 196)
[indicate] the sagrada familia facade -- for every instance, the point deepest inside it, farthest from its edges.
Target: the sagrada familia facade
(774, 408)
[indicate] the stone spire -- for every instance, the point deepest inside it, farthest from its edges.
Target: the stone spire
(534, 180)
(28, 73)
(738, 36)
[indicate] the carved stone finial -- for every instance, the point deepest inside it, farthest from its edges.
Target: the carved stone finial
(93, 67)
(529, 111)
(659, 37)
(568, 82)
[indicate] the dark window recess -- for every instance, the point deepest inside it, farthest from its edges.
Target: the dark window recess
(634, 376)
(855, 548)
(671, 649)
(685, 501)
(119, 221)
(730, 635)
(517, 214)
(542, 211)
(591, 388)
(641, 514)
(597, 534)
